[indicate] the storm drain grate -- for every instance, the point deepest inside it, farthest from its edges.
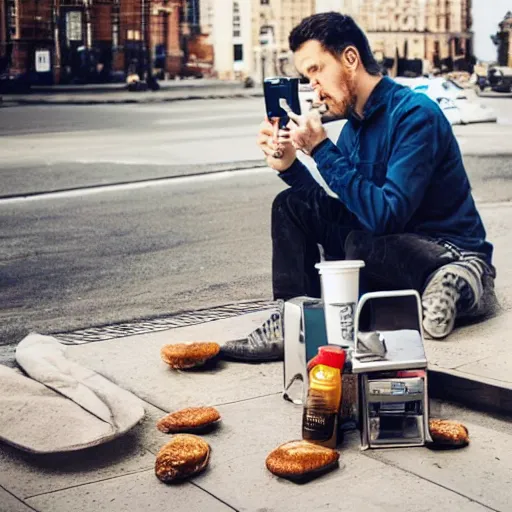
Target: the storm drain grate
(109, 332)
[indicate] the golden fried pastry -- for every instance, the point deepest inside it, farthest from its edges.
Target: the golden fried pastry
(191, 419)
(183, 456)
(301, 459)
(449, 433)
(188, 355)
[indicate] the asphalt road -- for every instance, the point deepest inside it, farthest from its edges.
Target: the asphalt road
(91, 256)
(60, 147)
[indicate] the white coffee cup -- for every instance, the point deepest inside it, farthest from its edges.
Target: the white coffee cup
(340, 294)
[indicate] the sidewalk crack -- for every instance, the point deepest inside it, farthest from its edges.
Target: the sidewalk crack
(247, 399)
(18, 499)
(215, 497)
(106, 479)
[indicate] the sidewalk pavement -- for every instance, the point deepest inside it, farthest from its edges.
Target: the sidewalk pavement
(119, 476)
(472, 367)
(118, 94)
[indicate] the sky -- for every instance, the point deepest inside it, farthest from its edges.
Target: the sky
(486, 16)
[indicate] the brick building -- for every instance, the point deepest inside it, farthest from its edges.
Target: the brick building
(84, 41)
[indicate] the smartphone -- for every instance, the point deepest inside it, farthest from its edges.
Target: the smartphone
(281, 87)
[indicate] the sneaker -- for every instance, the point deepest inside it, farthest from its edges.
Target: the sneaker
(264, 344)
(448, 292)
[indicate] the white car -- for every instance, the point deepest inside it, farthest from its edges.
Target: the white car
(458, 104)
(306, 97)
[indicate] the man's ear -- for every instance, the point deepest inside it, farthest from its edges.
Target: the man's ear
(351, 57)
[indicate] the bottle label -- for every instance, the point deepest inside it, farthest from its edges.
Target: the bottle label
(318, 425)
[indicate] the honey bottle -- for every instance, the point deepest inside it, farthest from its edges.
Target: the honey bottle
(320, 417)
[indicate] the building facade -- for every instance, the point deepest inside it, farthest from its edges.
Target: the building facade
(272, 22)
(435, 31)
(503, 41)
(227, 24)
(84, 41)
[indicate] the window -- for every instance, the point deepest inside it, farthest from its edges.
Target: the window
(458, 46)
(12, 18)
(238, 52)
(237, 32)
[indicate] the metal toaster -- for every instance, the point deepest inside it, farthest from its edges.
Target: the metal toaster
(393, 385)
(304, 332)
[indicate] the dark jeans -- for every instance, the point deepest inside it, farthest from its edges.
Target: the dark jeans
(303, 220)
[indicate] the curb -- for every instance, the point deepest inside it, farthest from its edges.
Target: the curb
(244, 165)
(476, 393)
(12, 100)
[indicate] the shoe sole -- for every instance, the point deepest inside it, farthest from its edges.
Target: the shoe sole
(256, 359)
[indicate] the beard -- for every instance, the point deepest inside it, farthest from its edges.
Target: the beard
(342, 104)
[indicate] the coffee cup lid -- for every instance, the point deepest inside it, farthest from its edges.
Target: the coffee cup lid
(340, 265)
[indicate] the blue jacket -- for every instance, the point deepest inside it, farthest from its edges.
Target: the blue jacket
(399, 170)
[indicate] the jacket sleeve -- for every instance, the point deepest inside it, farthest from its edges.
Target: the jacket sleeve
(386, 209)
(298, 176)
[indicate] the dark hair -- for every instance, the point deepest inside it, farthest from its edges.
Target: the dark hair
(335, 32)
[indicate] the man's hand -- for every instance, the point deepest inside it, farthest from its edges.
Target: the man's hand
(306, 132)
(279, 152)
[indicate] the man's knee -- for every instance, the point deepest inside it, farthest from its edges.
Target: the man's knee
(281, 198)
(285, 203)
(358, 244)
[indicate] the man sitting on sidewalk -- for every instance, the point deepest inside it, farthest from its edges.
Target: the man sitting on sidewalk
(404, 202)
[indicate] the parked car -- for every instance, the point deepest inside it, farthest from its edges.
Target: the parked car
(498, 79)
(460, 105)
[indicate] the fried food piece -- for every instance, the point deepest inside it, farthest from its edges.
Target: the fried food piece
(191, 419)
(297, 460)
(183, 456)
(448, 433)
(188, 355)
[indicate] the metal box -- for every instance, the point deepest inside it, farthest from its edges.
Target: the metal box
(304, 332)
(392, 373)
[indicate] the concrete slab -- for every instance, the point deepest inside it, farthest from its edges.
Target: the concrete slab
(9, 503)
(361, 483)
(134, 363)
(497, 368)
(252, 428)
(27, 475)
(472, 343)
(482, 471)
(149, 436)
(130, 493)
(246, 427)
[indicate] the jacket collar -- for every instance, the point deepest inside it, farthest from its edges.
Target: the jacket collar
(377, 99)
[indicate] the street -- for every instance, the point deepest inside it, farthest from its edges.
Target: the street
(169, 233)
